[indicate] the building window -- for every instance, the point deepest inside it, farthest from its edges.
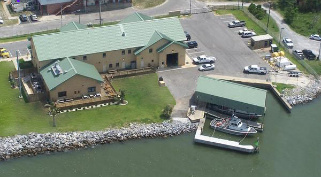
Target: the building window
(75, 92)
(129, 51)
(150, 50)
(162, 63)
(110, 65)
(84, 57)
(91, 89)
(123, 52)
(62, 94)
(104, 55)
(152, 60)
(117, 65)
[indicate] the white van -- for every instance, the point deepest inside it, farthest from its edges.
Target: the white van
(248, 34)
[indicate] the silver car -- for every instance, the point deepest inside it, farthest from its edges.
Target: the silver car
(206, 67)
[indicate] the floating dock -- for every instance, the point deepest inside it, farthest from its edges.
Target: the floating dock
(233, 145)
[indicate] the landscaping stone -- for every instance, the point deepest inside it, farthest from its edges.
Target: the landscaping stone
(301, 95)
(34, 144)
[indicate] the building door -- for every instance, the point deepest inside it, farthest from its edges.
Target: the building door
(142, 63)
(172, 59)
(133, 65)
(104, 68)
(123, 65)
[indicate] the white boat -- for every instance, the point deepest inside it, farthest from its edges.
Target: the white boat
(232, 126)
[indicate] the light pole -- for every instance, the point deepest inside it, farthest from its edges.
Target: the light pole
(280, 36)
(78, 11)
(267, 25)
(19, 78)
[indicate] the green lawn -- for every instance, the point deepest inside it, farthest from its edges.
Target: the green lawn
(281, 86)
(146, 101)
(142, 4)
(306, 23)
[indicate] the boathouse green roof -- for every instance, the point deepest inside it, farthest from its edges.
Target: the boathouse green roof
(68, 69)
(102, 39)
(230, 94)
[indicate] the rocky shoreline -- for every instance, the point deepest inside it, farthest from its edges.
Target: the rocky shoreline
(301, 95)
(34, 144)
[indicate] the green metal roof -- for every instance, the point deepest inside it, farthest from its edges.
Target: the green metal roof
(157, 36)
(135, 18)
(69, 68)
(72, 26)
(229, 94)
(102, 39)
(162, 48)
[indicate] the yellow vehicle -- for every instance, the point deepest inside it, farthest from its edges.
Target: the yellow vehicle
(4, 53)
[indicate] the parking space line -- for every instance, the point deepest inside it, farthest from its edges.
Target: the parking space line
(10, 54)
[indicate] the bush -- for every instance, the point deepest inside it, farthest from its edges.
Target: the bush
(167, 111)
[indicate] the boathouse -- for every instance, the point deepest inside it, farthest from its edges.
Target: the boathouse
(229, 94)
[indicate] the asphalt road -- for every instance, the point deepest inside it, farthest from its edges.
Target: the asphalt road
(113, 15)
(20, 46)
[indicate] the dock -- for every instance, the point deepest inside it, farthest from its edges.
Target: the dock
(222, 143)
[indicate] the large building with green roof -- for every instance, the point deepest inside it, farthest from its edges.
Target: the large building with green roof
(138, 41)
(229, 94)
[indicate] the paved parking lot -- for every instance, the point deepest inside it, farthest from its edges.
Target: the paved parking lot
(214, 39)
(20, 46)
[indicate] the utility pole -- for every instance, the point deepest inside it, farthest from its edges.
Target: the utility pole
(78, 15)
(60, 15)
(190, 7)
(100, 12)
(19, 76)
(280, 36)
(319, 52)
(267, 25)
(242, 4)
(238, 4)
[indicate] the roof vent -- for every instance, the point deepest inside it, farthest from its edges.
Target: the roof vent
(123, 34)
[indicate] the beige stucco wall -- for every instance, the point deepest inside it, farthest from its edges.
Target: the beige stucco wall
(76, 83)
(174, 48)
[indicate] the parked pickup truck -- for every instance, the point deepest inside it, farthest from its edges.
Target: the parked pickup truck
(255, 69)
(298, 54)
(204, 59)
(4, 53)
(236, 23)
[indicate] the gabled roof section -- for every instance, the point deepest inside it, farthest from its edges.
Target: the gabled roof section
(59, 72)
(162, 48)
(102, 39)
(72, 26)
(135, 17)
(157, 36)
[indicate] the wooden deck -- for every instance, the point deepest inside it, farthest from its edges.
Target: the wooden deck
(85, 102)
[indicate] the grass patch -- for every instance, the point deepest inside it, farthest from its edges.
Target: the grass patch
(306, 23)
(142, 4)
(146, 101)
(281, 86)
(25, 36)
(316, 65)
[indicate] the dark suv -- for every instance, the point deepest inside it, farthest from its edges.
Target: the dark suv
(23, 17)
(192, 44)
(308, 54)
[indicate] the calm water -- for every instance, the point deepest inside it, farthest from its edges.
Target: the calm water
(290, 146)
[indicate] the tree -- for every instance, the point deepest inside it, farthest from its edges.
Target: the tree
(52, 111)
(252, 8)
(167, 111)
(290, 14)
(122, 96)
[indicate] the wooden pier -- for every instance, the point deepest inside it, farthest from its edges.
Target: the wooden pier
(222, 143)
